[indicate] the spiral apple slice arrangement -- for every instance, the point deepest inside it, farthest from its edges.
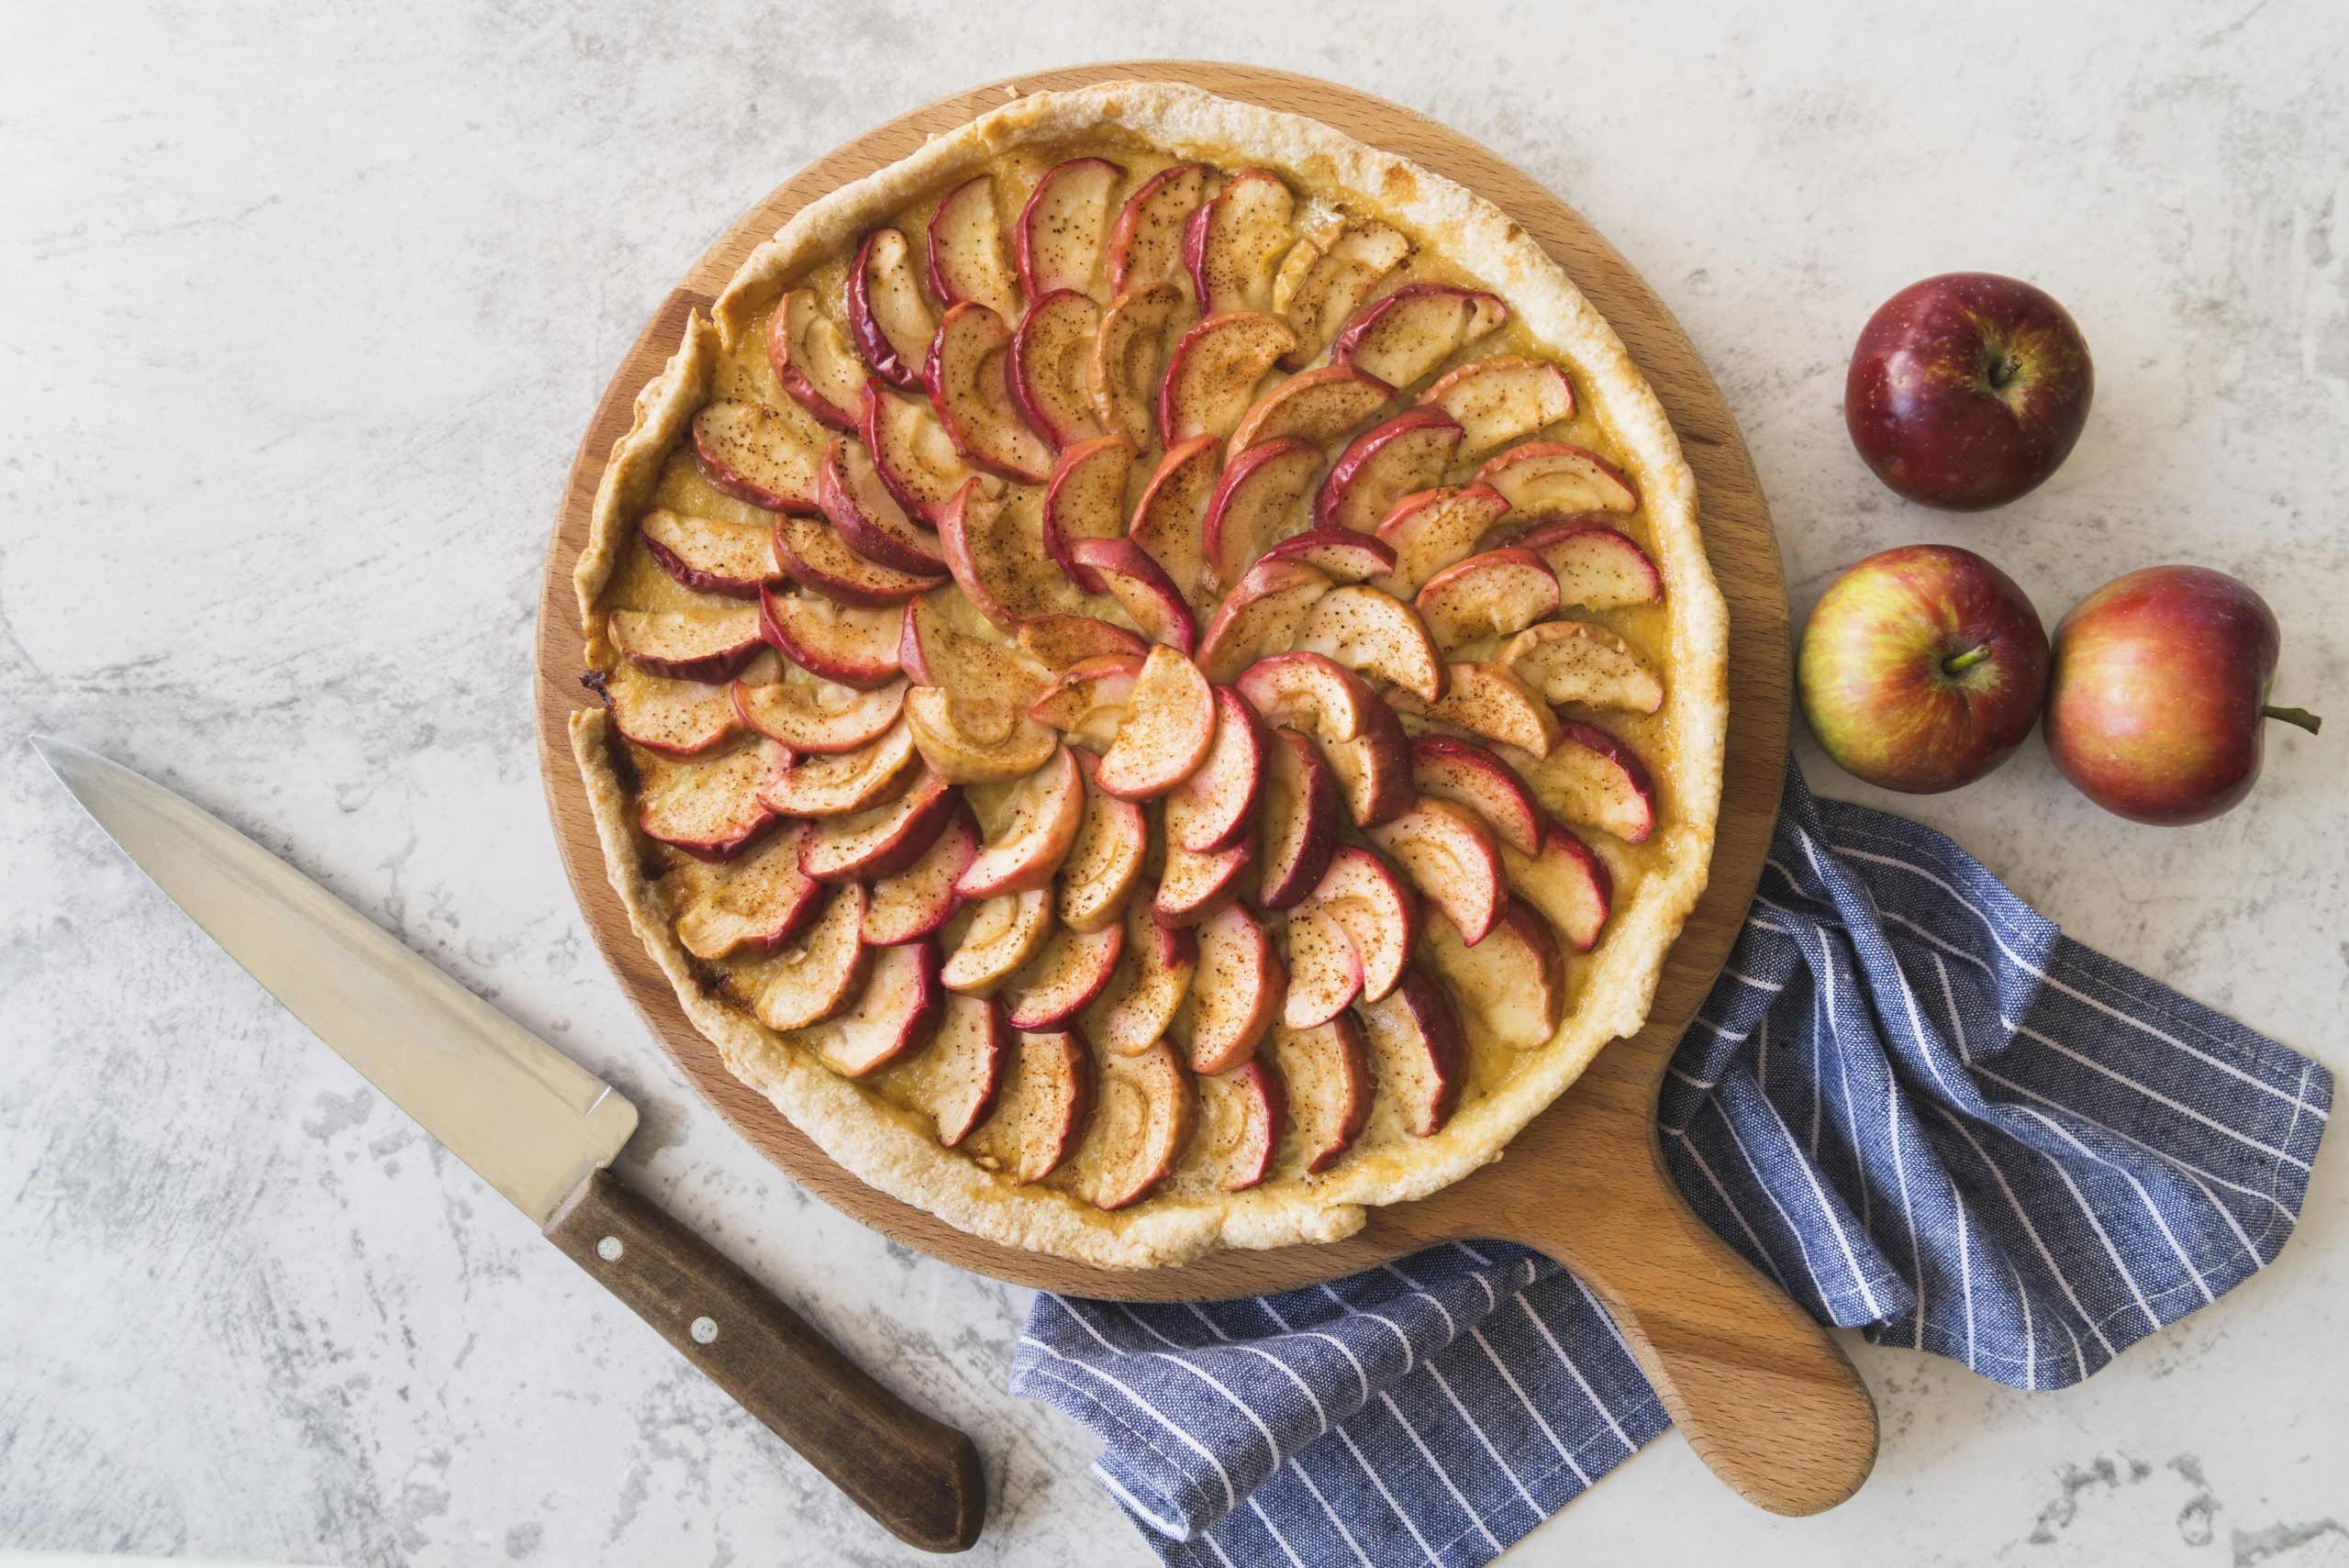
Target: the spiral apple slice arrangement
(1160, 718)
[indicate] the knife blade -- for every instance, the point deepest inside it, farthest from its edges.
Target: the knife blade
(541, 1130)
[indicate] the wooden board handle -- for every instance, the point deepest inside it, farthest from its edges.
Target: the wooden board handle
(1765, 1395)
(917, 1475)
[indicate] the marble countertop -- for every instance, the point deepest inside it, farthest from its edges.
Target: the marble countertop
(302, 305)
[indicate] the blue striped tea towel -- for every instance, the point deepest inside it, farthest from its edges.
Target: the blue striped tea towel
(1910, 1100)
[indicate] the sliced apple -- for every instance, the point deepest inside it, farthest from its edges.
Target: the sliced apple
(1324, 969)
(1340, 554)
(1373, 769)
(1236, 992)
(897, 1013)
(912, 452)
(962, 1071)
(1234, 241)
(1319, 405)
(1215, 807)
(1500, 400)
(1058, 642)
(814, 363)
(1003, 934)
(819, 974)
(818, 715)
(758, 454)
(1152, 983)
(702, 645)
(756, 904)
(1141, 1124)
(844, 783)
(816, 555)
(1130, 358)
(1448, 768)
(918, 901)
(1579, 662)
(856, 502)
(966, 260)
(1453, 858)
(1146, 242)
(731, 559)
(710, 807)
(1384, 464)
(1242, 1114)
(1047, 1103)
(1192, 886)
(1431, 530)
(1328, 275)
(1512, 984)
(1597, 567)
(1416, 328)
(977, 671)
(1170, 519)
(1265, 491)
(1377, 634)
(1103, 865)
(1548, 479)
(1168, 727)
(1050, 354)
(866, 846)
(1311, 691)
(1061, 981)
(1326, 1073)
(1369, 901)
(1298, 822)
(969, 376)
(1419, 1055)
(995, 550)
(1568, 885)
(849, 646)
(888, 316)
(1041, 818)
(1260, 617)
(1496, 594)
(1141, 588)
(1088, 701)
(1058, 240)
(1085, 498)
(998, 747)
(1491, 700)
(676, 719)
(1214, 370)
(1594, 779)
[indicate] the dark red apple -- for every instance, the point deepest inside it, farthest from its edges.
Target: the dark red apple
(2158, 696)
(1967, 390)
(1922, 668)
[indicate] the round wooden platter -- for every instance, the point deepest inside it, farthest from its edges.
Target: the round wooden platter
(1765, 1395)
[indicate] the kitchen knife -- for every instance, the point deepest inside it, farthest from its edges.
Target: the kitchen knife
(541, 1131)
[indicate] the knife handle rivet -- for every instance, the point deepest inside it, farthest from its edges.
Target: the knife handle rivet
(703, 1329)
(609, 1249)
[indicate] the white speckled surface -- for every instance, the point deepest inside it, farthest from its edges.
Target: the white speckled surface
(302, 308)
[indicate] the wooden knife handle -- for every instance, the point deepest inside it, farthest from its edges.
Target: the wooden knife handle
(917, 1475)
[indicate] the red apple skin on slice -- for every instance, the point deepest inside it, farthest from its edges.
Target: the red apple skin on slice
(889, 319)
(1448, 768)
(813, 363)
(1170, 519)
(968, 1060)
(1142, 1121)
(846, 782)
(1236, 992)
(1242, 1114)
(1565, 882)
(1057, 243)
(1150, 984)
(734, 561)
(847, 646)
(1340, 554)
(816, 716)
(969, 376)
(1595, 778)
(816, 555)
(1548, 479)
(1049, 355)
(1260, 617)
(1384, 464)
(1578, 661)
(1417, 1051)
(1512, 984)
(1324, 970)
(1048, 1103)
(1062, 982)
(1318, 406)
(1085, 498)
(912, 452)
(1003, 935)
(1373, 769)
(1453, 858)
(710, 807)
(1492, 701)
(701, 645)
(1214, 808)
(816, 975)
(1141, 588)
(1298, 822)
(1327, 1073)
(1376, 633)
(966, 261)
(676, 718)
(1263, 490)
(883, 841)
(753, 453)
(1103, 865)
(1371, 903)
(918, 901)
(1130, 358)
(1597, 567)
(1193, 887)
(895, 1015)
(1311, 691)
(1167, 730)
(1501, 400)
(1057, 642)
(1433, 529)
(1214, 372)
(854, 501)
(1234, 241)
(1045, 810)
(1496, 593)
(999, 567)
(1146, 242)
(1411, 331)
(756, 904)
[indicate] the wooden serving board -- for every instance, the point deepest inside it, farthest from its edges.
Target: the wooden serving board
(1763, 1395)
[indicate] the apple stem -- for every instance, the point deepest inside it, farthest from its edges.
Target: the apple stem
(1958, 664)
(2299, 716)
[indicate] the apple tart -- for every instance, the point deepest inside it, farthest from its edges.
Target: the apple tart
(1161, 682)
